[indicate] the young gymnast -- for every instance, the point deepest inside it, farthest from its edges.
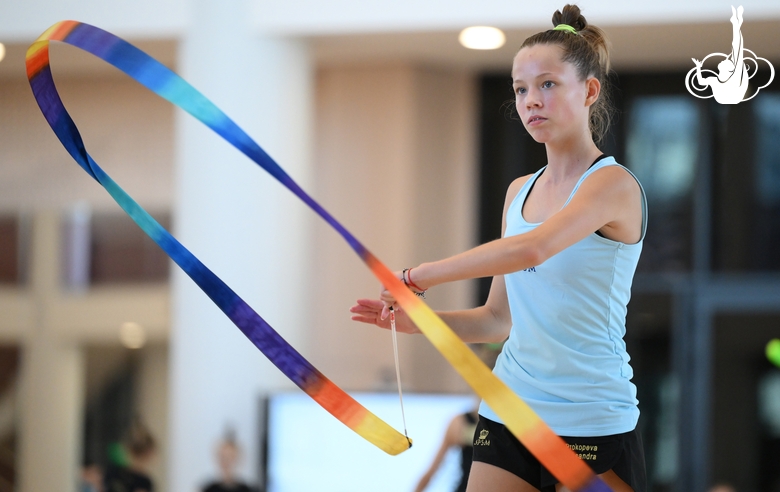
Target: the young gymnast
(562, 273)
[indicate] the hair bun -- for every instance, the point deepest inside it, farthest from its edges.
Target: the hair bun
(571, 16)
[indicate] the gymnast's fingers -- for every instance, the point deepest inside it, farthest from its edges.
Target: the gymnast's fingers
(387, 298)
(371, 320)
(369, 311)
(388, 301)
(374, 304)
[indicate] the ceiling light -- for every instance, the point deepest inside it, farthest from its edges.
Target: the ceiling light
(2, 51)
(132, 335)
(482, 38)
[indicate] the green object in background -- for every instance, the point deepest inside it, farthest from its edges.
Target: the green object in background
(117, 455)
(773, 351)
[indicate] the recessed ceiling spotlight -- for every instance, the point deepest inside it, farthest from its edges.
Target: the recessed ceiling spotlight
(132, 335)
(2, 51)
(482, 38)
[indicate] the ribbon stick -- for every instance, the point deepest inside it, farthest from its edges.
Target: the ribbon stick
(550, 449)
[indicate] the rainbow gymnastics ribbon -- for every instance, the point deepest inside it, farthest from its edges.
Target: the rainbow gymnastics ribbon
(550, 449)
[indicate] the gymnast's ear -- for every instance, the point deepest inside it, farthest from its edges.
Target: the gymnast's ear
(593, 87)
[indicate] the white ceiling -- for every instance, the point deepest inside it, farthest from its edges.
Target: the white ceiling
(640, 47)
(634, 47)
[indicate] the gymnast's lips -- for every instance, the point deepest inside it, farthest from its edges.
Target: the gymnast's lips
(535, 120)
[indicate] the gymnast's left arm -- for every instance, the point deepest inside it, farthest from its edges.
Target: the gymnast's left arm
(609, 200)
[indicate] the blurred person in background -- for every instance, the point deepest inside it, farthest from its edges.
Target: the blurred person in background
(460, 434)
(461, 429)
(140, 450)
(91, 478)
(722, 487)
(228, 456)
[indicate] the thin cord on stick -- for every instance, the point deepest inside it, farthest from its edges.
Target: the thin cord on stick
(398, 371)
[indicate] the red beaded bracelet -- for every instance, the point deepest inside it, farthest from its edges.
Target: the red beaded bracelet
(409, 274)
(408, 283)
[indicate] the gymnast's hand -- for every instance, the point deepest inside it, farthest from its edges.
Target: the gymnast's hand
(388, 299)
(370, 311)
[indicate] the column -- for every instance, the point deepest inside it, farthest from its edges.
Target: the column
(244, 226)
(52, 380)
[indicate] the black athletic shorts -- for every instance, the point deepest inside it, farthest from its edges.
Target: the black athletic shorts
(621, 453)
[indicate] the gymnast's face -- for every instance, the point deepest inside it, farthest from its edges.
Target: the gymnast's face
(550, 98)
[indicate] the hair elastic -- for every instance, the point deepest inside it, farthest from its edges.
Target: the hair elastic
(565, 27)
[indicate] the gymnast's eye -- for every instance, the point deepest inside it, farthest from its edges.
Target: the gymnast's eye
(520, 90)
(548, 84)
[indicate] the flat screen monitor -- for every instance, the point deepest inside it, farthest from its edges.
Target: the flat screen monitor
(309, 450)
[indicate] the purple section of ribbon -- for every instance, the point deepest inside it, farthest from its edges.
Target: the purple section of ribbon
(281, 353)
(595, 485)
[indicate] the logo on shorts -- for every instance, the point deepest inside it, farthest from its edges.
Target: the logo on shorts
(589, 453)
(482, 440)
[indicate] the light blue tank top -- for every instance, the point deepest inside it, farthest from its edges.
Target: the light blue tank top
(565, 355)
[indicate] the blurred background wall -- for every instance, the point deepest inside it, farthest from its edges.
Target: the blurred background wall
(403, 135)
